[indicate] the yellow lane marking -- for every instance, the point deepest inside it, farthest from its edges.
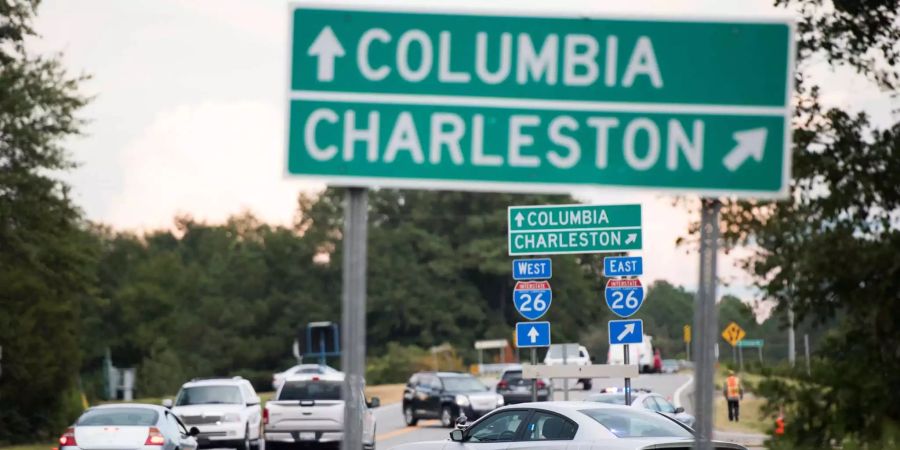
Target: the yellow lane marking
(402, 431)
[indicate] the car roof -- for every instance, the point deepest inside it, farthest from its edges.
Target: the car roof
(337, 376)
(216, 382)
(157, 408)
(446, 374)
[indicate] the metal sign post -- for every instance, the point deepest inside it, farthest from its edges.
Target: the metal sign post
(705, 323)
(565, 380)
(627, 380)
(534, 381)
(353, 359)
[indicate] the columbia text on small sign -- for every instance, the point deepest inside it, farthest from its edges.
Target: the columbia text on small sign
(750, 343)
(623, 266)
(532, 298)
(733, 333)
(532, 334)
(406, 97)
(624, 297)
(629, 331)
(532, 269)
(560, 229)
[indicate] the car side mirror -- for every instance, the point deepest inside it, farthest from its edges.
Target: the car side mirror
(679, 410)
(456, 435)
(194, 432)
(374, 402)
(167, 403)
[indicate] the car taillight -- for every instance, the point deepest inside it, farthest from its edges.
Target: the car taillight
(68, 438)
(502, 385)
(266, 416)
(541, 384)
(154, 437)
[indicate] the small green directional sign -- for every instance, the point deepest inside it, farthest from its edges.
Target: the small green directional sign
(561, 229)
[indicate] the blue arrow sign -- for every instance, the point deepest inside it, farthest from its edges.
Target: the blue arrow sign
(624, 297)
(623, 266)
(532, 334)
(626, 331)
(532, 298)
(532, 269)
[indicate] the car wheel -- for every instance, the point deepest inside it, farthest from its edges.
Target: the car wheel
(447, 417)
(587, 385)
(409, 417)
(245, 445)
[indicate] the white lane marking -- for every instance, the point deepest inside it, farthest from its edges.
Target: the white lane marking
(677, 399)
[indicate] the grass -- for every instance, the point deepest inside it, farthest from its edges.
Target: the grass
(46, 446)
(751, 420)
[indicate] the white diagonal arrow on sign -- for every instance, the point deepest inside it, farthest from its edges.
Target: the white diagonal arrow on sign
(326, 47)
(631, 238)
(533, 334)
(750, 143)
(629, 328)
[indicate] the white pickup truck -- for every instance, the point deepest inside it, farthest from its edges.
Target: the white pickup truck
(569, 354)
(308, 409)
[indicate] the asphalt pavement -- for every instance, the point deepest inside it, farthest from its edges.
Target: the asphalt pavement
(393, 431)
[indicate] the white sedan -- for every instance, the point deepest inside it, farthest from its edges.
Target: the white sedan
(567, 426)
(129, 425)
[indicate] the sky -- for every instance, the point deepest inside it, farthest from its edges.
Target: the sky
(187, 115)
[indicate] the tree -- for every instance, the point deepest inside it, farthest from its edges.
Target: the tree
(46, 258)
(829, 252)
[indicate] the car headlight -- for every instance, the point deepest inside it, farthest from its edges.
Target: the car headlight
(462, 400)
(500, 401)
(231, 417)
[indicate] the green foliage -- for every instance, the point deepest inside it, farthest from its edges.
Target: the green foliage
(46, 259)
(396, 364)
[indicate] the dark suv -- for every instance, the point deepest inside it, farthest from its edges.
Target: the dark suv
(446, 396)
(516, 389)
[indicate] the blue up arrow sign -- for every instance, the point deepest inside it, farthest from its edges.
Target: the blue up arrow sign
(626, 331)
(532, 334)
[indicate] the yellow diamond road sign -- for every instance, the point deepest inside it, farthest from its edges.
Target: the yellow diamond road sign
(733, 333)
(687, 334)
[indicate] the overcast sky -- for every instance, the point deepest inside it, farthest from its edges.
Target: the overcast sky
(188, 114)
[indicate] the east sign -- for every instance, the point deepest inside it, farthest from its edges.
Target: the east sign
(475, 101)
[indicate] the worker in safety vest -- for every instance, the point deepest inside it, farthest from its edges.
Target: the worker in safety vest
(734, 393)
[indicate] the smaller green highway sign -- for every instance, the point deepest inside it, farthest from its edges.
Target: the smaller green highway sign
(562, 229)
(750, 343)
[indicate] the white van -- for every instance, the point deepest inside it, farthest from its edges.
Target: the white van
(640, 354)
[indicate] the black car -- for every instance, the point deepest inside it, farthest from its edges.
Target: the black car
(516, 389)
(446, 396)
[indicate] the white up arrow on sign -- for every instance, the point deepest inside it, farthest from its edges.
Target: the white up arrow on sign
(629, 328)
(326, 47)
(533, 334)
(750, 143)
(519, 219)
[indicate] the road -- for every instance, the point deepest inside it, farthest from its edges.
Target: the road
(392, 431)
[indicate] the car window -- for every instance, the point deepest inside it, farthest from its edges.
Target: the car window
(424, 381)
(463, 384)
(436, 383)
(205, 395)
(664, 405)
(544, 426)
(650, 404)
(144, 417)
(636, 423)
(311, 390)
(499, 427)
(413, 380)
(512, 375)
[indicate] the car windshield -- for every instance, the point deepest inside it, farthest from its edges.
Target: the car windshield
(124, 417)
(462, 384)
(556, 351)
(614, 399)
(625, 423)
(512, 375)
(205, 395)
(311, 390)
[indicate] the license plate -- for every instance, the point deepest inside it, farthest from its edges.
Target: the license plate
(521, 389)
(307, 436)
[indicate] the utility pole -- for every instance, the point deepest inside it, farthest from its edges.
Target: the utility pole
(353, 358)
(806, 350)
(705, 322)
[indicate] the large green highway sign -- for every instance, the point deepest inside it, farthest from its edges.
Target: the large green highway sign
(559, 229)
(474, 101)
